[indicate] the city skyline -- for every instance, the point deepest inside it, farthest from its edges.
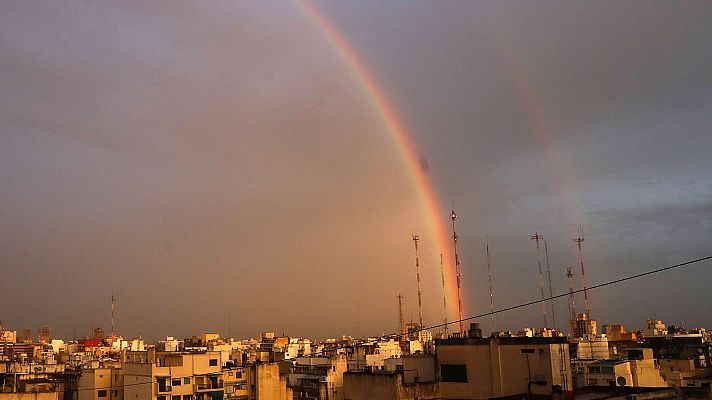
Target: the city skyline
(228, 162)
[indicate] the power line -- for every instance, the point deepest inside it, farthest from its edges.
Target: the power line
(501, 310)
(600, 285)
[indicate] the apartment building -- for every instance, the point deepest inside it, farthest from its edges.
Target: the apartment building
(173, 376)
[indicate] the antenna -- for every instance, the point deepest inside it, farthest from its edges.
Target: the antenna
(417, 273)
(537, 237)
(112, 312)
(489, 277)
(551, 291)
(442, 274)
(579, 240)
(401, 326)
(453, 215)
(572, 302)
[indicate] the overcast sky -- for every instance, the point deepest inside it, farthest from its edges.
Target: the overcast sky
(220, 168)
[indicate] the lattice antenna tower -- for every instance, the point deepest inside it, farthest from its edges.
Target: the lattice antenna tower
(579, 242)
(537, 237)
(453, 215)
(401, 325)
(112, 312)
(417, 274)
(572, 301)
(442, 275)
(551, 290)
(489, 278)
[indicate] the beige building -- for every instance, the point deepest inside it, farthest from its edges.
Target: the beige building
(257, 382)
(318, 377)
(149, 375)
(640, 369)
(591, 347)
(386, 385)
(484, 368)
(654, 327)
(101, 384)
(689, 376)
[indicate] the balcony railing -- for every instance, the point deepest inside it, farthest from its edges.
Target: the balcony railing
(163, 388)
(208, 386)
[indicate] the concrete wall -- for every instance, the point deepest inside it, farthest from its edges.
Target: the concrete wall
(93, 380)
(31, 396)
(504, 367)
(366, 386)
(370, 386)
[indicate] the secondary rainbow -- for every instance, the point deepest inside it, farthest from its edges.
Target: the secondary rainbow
(429, 202)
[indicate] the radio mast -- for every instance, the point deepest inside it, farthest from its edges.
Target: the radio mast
(417, 273)
(489, 277)
(453, 215)
(442, 274)
(579, 240)
(537, 237)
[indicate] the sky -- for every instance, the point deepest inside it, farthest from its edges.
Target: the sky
(220, 167)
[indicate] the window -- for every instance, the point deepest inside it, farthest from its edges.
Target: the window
(101, 393)
(187, 397)
(175, 382)
(453, 372)
(186, 381)
(213, 362)
(175, 397)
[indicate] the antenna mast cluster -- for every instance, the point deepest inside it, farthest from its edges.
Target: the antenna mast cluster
(417, 272)
(536, 237)
(453, 215)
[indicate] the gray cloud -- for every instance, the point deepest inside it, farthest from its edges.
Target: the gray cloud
(222, 158)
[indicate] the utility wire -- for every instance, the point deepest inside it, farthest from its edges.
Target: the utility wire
(501, 310)
(600, 285)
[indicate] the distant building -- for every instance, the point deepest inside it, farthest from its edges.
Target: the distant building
(654, 327)
(582, 326)
(638, 369)
(591, 347)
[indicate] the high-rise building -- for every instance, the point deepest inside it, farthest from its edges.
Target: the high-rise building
(582, 326)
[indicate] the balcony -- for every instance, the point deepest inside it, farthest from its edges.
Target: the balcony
(162, 388)
(208, 386)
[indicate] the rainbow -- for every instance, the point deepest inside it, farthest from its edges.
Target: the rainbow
(409, 155)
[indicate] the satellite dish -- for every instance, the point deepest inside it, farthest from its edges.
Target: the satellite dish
(621, 381)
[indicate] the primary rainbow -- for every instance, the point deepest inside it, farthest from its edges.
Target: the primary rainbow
(409, 156)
